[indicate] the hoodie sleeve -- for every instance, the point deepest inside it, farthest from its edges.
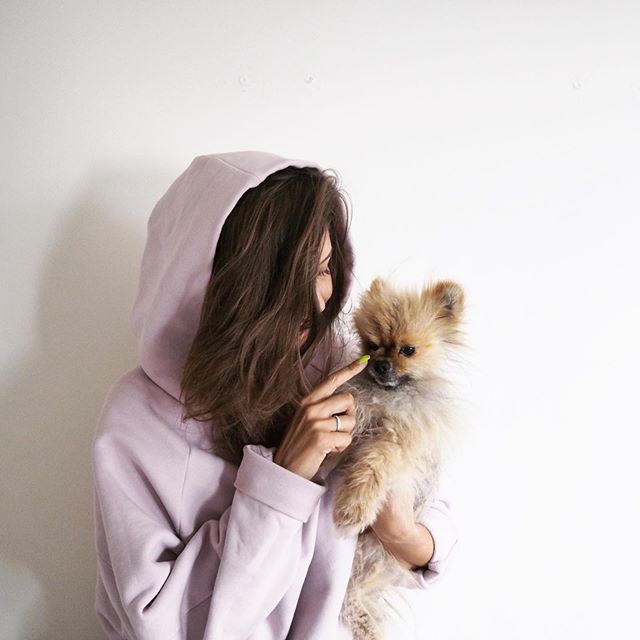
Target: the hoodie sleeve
(163, 587)
(438, 518)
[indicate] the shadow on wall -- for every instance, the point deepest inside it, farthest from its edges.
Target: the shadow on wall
(51, 402)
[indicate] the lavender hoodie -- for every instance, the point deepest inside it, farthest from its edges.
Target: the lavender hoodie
(189, 546)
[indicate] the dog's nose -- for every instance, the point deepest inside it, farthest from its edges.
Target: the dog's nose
(382, 367)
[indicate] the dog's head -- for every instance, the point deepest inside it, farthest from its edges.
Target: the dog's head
(408, 333)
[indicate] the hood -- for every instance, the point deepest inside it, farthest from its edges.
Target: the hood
(182, 235)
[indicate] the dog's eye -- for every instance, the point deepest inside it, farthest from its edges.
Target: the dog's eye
(407, 351)
(371, 346)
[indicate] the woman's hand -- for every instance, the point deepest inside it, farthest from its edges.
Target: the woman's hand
(396, 519)
(311, 434)
(411, 543)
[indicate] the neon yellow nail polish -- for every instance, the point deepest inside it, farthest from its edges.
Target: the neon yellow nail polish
(364, 358)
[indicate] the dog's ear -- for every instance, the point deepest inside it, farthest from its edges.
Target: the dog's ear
(377, 285)
(448, 297)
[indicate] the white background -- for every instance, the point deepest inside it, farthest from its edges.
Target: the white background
(494, 143)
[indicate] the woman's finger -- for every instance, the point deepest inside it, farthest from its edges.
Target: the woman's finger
(328, 386)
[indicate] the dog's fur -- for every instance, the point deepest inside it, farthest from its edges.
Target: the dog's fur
(405, 422)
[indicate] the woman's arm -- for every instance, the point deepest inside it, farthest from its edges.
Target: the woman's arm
(413, 548)
(159, 584)
(424, 545)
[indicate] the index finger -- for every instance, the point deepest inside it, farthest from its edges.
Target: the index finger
(337, 378)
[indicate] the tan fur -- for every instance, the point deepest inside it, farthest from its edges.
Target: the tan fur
(405, 425)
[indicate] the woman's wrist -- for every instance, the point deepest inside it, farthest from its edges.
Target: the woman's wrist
(413, 546)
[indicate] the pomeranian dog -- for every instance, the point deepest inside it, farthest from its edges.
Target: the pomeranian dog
(405, 424)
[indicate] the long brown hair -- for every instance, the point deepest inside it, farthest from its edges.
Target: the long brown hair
(245, 369)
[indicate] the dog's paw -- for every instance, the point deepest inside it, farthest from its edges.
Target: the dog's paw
(356, 506)
(349, 520)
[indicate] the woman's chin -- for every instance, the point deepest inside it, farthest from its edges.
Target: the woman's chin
(303, 337)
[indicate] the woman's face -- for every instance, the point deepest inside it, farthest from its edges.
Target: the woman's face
(324, 284)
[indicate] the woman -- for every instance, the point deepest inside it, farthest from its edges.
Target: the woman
(213, 519)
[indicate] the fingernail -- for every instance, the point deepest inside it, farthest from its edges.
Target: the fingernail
(364, 358)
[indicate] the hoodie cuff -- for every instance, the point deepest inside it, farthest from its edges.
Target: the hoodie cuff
(262, 479)
(443, 531)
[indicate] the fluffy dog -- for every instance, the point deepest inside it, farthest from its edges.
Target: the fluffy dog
(405, 422)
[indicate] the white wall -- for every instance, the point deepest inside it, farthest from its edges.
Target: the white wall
(496, 143)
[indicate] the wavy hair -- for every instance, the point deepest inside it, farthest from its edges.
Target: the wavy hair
(245, 371)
